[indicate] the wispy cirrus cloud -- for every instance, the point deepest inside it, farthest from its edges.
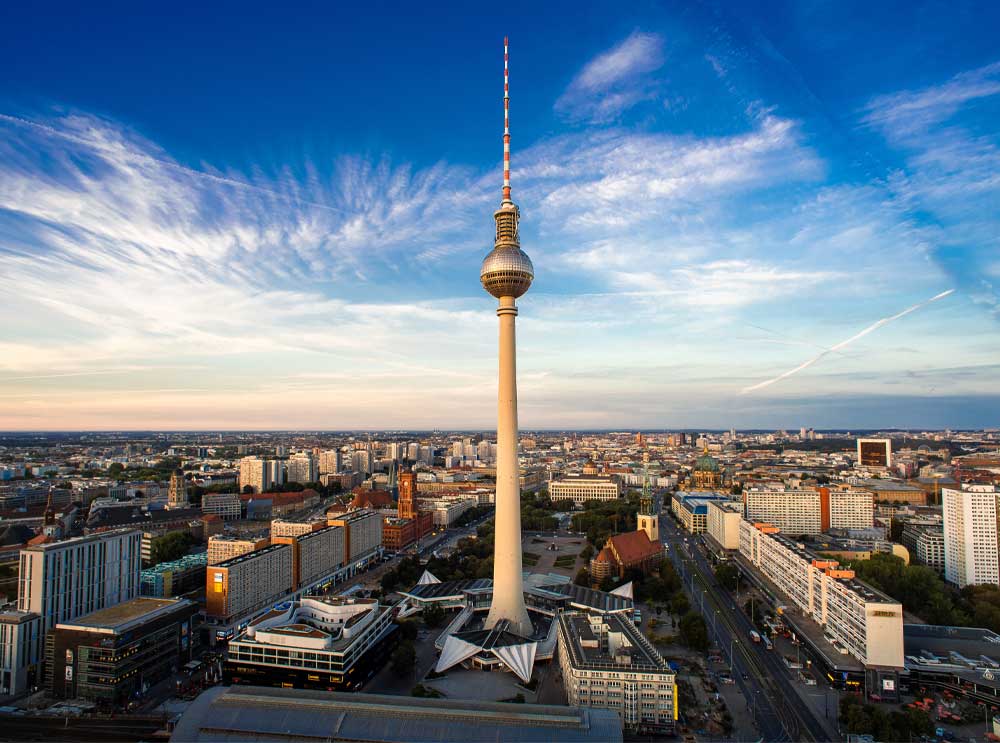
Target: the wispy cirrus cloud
(614, 81)
(951, 175)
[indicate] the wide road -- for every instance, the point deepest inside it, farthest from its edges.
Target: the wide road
(718, 618)
(769, 680)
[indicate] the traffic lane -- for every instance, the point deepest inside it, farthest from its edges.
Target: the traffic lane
(752, 687)
(777, 670)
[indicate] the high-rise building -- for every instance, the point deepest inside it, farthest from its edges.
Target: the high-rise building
(413, 452)
(254, 473)
(275, 472)
(177, 496)
(361, 461)
(875, 452)
(61, 581)
(507, 274)
(302, 468)
(971, 553)
(330, 462)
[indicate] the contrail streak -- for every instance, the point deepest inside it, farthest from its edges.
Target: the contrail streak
(873, 327)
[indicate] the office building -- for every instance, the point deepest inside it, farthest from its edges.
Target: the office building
(60, 581)
(254, 474)
(875, 453)
(582, 488)
(20, 641)
(692, 510)
(722, 522)
(810, 510)
(174, 578)
(855, 617)
(276, 472)
(226, 506)
(314, 643)
(606, 663)
(118, 652)
(224, 547)
(970, 535)
(302, 468)
(236, 588)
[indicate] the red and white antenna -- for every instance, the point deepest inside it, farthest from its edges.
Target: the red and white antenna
(506, 125)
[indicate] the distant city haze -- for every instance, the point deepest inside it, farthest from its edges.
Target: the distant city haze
(737, 219)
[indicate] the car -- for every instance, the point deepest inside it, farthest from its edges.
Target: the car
(745, 676)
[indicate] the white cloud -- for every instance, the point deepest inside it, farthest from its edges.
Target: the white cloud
(614, 81)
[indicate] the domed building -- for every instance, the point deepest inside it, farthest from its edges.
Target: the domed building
(707, 474)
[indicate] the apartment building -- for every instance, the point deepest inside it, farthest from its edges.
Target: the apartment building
(362, 536)
(255, 473)
(722, 523)
(236, 588)
(970, 535)
(607, 664)
(222, 547)
(811, 510)
(282, 528)
(330, 462)
(855, 617)
(315, 553)
(925, 541)
(582, 488)
(302, 467)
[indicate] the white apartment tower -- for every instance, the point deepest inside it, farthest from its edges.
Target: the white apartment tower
(254, 472)
(970, 535)
(302, 468)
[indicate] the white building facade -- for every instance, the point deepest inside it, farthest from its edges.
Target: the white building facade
(970, 535)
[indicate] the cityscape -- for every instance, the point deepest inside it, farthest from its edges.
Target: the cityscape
(264, 474)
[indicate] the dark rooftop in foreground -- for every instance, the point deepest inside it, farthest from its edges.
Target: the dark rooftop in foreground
(250, 713)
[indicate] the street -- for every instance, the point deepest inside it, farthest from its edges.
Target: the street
(759, 673)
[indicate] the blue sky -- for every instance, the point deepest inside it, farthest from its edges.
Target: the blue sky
(771, 215)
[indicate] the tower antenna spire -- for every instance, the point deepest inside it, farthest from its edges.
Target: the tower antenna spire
(506, 124)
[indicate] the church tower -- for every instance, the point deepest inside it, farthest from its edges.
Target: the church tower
(648, 518)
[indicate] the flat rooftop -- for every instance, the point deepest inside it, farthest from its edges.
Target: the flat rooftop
(120, 617)
(250, 713)
(589, 651)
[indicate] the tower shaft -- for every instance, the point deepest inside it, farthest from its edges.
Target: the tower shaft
(508, 583)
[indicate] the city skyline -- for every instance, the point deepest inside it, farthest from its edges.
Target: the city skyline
(762, 225)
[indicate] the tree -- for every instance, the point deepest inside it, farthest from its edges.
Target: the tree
(679, 603)
(692, 631)
(587, 552)
(582, 578)
(607, 584)
(169, 547)
(116, 469)
(408, 630)
(404, 659)
(727, 574)
(433, 615)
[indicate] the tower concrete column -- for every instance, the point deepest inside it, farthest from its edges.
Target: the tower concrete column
(508, 584)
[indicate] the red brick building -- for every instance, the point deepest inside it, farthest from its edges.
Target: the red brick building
(624, 552)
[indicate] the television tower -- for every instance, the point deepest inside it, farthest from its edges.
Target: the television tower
(507, 274)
